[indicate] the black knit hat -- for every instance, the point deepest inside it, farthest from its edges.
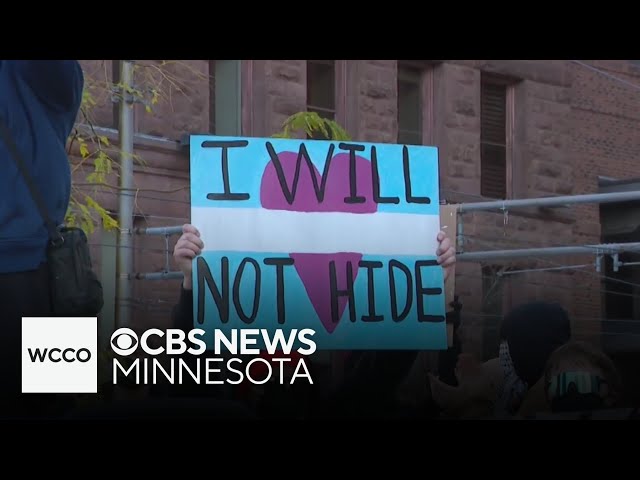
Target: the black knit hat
(533, 331)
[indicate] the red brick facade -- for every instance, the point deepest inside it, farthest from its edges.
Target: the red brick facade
(568, 124)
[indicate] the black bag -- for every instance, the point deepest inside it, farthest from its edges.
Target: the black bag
(74, 287)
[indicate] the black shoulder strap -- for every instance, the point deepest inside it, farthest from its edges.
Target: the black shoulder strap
(7, 138)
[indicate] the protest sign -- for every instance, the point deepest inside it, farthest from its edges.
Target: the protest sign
(339, 237)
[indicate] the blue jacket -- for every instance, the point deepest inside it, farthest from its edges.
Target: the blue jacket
(39, 102)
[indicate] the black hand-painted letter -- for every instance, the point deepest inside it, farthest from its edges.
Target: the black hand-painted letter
(280, 263)
(335, 293)
(206, 278)
(227, 195)
(290, 194)
(353, 184)
(394, 295)
(407, 180)
(421, 291)
(371, 294)
(256, 291)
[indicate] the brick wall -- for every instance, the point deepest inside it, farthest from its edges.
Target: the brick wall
(184, 97)
(286, 91)
(377, 102)
(571, 125)
(605, 142)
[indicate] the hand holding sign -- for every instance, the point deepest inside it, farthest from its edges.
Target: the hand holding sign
(188, 247)
(446, 254)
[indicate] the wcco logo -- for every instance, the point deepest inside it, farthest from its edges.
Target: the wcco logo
(55, 355)
(59, 355)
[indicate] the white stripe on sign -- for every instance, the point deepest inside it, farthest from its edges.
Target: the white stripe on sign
(279, 231)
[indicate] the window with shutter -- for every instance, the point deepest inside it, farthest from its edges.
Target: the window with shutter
(321, 90)
(493, 139)
(409, 105)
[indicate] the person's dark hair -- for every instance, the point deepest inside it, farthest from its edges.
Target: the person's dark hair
(533, 331)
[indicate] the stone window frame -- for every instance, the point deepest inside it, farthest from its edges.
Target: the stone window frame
(324, 107)
(421, 74)
(255, 104)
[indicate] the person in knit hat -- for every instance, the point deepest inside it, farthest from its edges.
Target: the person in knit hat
(529, 335)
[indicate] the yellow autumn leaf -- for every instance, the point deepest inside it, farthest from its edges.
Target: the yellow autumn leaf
(84, 150)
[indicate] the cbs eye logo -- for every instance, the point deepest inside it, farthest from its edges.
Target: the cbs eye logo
(124, 341)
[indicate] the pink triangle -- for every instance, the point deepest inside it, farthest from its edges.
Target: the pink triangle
(313, 269)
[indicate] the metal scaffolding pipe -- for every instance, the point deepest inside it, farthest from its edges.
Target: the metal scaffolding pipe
(126, 199)
(160, 276)
(605, 248)
(162, 231)
(602, 249)
(550, 201)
